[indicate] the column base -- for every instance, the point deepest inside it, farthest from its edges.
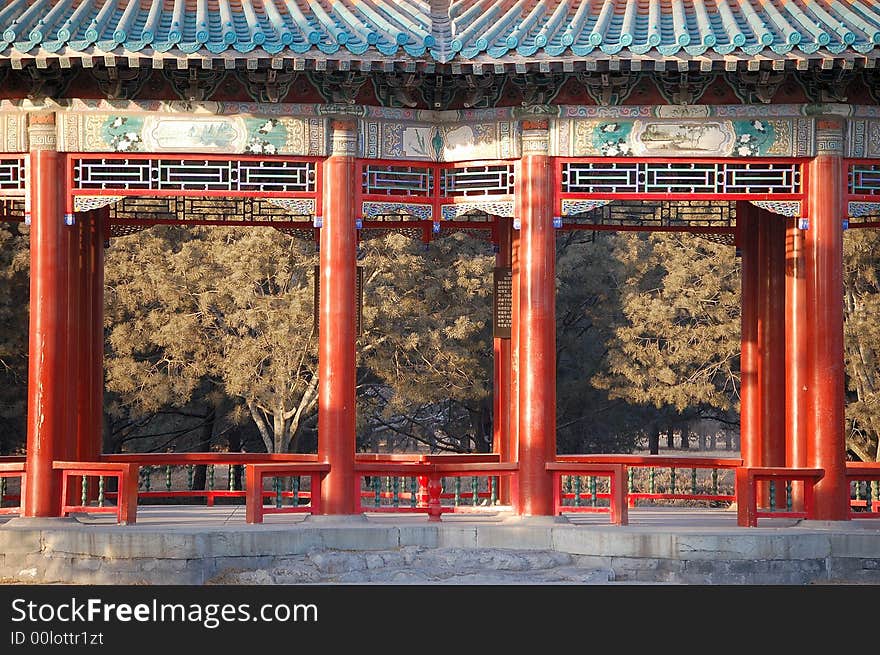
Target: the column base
(39, 522)
(336, 518)
(539, 520)
(840, 526)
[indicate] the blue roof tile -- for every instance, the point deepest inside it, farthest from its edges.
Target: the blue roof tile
(471, 29)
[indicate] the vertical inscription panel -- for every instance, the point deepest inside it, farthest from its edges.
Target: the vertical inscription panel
(502, 306)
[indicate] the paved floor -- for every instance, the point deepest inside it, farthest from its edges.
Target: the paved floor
(672, 545)
(666, 519)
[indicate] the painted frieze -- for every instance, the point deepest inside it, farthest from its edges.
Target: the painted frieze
(182, 127)
(682, 138)
(864, 138)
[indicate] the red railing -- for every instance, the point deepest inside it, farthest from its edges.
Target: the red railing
(166, 463)
(864, 500)
(12, 468)
(426, 475)
(678, 479)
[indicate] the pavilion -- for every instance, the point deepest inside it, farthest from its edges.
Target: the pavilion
(517, 118)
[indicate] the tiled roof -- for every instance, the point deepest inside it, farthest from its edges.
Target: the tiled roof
(442, 30)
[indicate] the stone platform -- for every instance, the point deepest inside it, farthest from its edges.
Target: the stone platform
(213, 545)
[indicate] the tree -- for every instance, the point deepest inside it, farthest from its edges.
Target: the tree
(589, 419)
(426, 351)
(228, 308)
(679, 345)
(14, 296)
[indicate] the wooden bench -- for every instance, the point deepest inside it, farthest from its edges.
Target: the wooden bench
(747, 479)
(126, 496)
(14, 470)
(255, 473)
(613, 470)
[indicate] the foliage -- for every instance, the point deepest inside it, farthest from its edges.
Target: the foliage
(679, 342)
(14, 295)
(425, 355)
(229, 309)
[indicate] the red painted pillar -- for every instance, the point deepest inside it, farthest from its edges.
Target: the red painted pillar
(796, 360)
(501, 378)
(90, 345)
(514, 358)
(750, 381)
(537, 329)
(76, 386)
(48, 327)
(771, 344)
(336, 330)
(823, 245)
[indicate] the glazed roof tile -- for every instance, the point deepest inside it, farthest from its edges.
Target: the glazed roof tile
(442, 30)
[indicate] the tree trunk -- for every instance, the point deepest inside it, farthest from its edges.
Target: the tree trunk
(654, 441)
(670, 441)
(206, 432)
(233, 443)
(685, 438)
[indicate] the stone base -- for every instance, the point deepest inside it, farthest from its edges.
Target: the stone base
(336, 518)
(40, 522)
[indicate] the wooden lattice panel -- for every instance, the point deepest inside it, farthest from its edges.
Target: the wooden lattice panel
(666, 213)
(719, 178)
(195, 210)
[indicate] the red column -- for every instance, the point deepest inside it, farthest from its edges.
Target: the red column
(537, 329)
(750, 387)
(501, 398)
(48, 327)
(823, 245)
(771, 344)
(336, 330)
(76, 387)
(796, 360)
(90, 348)
(514, 357)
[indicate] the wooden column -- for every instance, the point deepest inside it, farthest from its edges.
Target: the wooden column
(90, 348)
(750, 381)
(501, 378)
(514, 355)
(537, 323)
(823, 246)
(796, 360)
(336, 330)
(48, 322)
(771, 345)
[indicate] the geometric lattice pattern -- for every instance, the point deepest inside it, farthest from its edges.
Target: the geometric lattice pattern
(681, 177)
(188, 209)
(664, 213)
(391, 180)
(12, 175)
(469, 181)
(231, 175)
(864, 179)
